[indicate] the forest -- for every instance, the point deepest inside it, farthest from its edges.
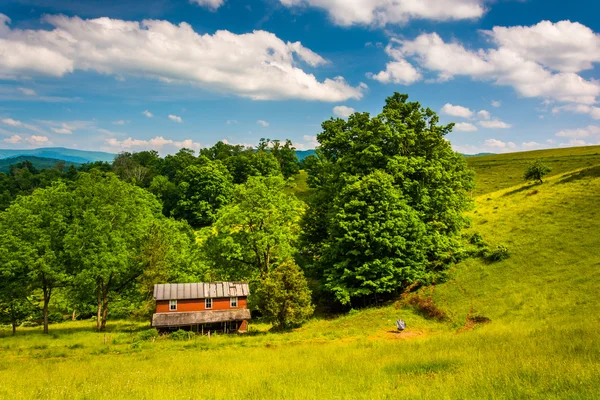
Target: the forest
(387, 204)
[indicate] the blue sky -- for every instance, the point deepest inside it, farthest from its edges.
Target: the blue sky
(156, 74)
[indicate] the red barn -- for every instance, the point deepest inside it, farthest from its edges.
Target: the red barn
(214, 306)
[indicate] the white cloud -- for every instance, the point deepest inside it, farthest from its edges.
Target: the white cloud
(589, 131)
(262, 123)
(484, 114)
(494, 143)
(210, 4)
(465, 127)
(120, 122)
(147, 114)
(14, 139)
(19, 124)
(400, 72)
(382, 12)
(562, 46)
(38, 140)
(496, 103)
(175, 118)
(457, 111)
(592, 111)
(257, 65)
(531, 145)
(27, 91)
(232, 122)
(158, 143)
(310, 142)
(343, 111)
(495, 124)
(62, 131)
(505, 65)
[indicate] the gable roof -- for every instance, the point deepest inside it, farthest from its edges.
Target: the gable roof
(201, 290)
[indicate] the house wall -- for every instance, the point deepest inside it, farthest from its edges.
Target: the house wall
(162, 306)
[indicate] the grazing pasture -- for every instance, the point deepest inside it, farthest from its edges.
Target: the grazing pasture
(524, 327)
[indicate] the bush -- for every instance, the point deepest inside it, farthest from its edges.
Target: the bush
(498, 254)
(536, 171)
(181, 335)
(149, 334)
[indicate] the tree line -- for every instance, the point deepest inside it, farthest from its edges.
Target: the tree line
(386, 206)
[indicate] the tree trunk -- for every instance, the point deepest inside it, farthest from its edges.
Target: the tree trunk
(73, 316)
(104, 308)
(47, 294)
(99, 310)
(14, 326)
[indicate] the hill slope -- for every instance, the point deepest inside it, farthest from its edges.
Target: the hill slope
(500, 171)
(543, 340)
(38, 162)
(60, 153)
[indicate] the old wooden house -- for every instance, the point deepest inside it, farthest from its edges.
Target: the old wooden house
(202, 307)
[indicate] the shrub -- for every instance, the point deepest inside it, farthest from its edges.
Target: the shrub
(180, 335)
(500, 253)
(149, 334)
(477, 240)
(536, 171)
(426, 307)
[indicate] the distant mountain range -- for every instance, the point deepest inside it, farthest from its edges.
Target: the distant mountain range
(59, 153)
(38, 162)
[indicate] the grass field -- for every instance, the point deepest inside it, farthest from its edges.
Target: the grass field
(542, 341)
(500, 171)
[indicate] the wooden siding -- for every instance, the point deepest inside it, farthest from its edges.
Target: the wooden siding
(196, 318)
(191, 305)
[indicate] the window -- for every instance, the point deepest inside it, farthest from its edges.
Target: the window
(233, 302)
(208, 304)
(172, 305)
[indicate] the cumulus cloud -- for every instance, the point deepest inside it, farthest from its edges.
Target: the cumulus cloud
(483, 114)
(147, 114)
(343, 111)
(383, 12)
(158, 143)
(465, 127)
(457, 111)
(210, 4)
(175, 118)
(38, 140)
(62, 131)
(592, 111)
(19, 124)
(496, 103)
(257, 65)
(495, 124)
(398, 71)
(589, 131)
(488, 146)
(310, 142)
(262, 123)
(14, 139)
(27, 91)
(534, 67)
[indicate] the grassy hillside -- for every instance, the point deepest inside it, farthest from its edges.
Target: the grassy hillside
(38, 162)
(542, 341)
(500, 171)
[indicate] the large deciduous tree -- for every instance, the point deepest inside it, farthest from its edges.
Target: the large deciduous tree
(259, 228)
(111, 222)
(389, 201)
(32, 248)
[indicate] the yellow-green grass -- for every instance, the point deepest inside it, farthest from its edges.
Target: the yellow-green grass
(543, 340)
(299, 185)
(500, 171)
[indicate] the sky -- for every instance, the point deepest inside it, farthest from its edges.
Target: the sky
(125, 75)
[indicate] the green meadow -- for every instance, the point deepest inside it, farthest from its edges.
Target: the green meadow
(525, 327)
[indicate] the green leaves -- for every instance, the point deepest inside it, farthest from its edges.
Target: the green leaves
(390, 193)
(536, 171)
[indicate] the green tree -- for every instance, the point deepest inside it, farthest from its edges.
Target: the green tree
(111, 223)
(536, 171)
(259, 228)
(283, 296)
(32, 242)
(284, 154)
(202, 191)
(389, 199)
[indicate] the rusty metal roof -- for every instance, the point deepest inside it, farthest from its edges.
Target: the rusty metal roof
(179, 291)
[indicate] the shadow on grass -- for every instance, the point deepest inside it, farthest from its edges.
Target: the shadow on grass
(56, 330)
(521, 189)
(592, 172)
